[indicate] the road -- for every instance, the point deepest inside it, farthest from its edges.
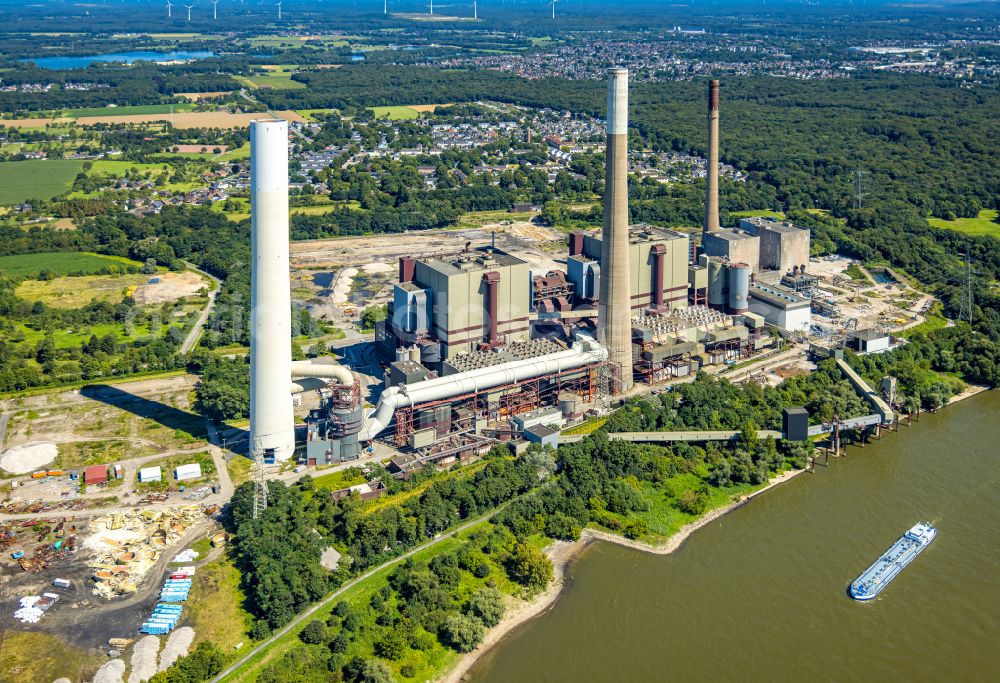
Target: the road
(195, 334)
(346, 587)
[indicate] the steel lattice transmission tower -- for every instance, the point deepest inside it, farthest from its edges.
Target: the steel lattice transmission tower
(259, 476)
(965, 309)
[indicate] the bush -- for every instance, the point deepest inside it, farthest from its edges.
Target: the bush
(462, 632)
(693, 502)
(408, 671)
(392, 645)
(529, 566)
(487, 604)
(313, 633)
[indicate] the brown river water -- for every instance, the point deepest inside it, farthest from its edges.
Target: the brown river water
(760, 595)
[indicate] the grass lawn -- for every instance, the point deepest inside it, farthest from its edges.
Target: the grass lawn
(238, 153)
(339, 480)
(935, 320)
(62, 263)
(239, 469)
(477, 219)
(169, 463)
(34, 656)
(75, 292)
(83, 453)
(663, 519)
(215, 607)
(984, 224)
(36, 178)
(77, 337)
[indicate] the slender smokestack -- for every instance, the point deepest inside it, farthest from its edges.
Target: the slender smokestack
(271, 418)
(614, 314)
(712, 178)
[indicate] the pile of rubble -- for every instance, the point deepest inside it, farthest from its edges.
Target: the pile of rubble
(127, 545)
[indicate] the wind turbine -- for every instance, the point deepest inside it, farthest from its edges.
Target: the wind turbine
(553, 3)
(385, 6)
(215, 9)
(279, 10)
(169, 6)
(189, 11)
(475, 10)
(432, 6)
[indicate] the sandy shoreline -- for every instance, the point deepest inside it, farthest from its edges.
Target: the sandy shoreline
(562, 553)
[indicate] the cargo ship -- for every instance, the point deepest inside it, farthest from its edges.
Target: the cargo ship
(886, 568)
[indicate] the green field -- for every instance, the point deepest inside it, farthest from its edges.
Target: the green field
(36, 178)
(984, 224)
(311, 113)
(395, 113)
(120, 168)
(277, 79)
(341, 479)
(74, 339)
(63, 263)
(123, 111)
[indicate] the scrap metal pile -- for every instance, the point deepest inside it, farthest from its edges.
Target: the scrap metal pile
(127, 545)
(56, 539)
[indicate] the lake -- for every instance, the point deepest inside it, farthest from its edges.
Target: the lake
(123, 57)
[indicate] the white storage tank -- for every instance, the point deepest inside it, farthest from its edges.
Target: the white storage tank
(189, 471)
(148, 474)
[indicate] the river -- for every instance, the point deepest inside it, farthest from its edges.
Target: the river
(760, 595)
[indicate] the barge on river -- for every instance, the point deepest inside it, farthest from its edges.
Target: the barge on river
(886, 568)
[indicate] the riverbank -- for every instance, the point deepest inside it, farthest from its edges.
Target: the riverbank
(562, 554)
(969, 392)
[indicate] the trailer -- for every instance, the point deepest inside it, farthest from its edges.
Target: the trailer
(61, 583)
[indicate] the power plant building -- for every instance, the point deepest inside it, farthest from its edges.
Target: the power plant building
(784, 247)
(657, 266)
(781, 307)
(462, 302)
(735, 245)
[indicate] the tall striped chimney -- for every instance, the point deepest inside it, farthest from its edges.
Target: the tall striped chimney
(712, 177)
(614, 314)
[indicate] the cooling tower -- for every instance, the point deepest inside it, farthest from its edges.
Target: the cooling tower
(712, 176)
(614, 315)
(271, 419)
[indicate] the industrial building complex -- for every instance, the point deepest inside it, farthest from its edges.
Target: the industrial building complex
(479, 347)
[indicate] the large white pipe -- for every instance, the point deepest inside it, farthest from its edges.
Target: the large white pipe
(307, 368)
(271, 417)
(584, 352)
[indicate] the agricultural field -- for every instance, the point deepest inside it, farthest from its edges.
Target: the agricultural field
(76, 292)
(63, 263)
(124, 111)
(199, 119)
(985, 223)
(36, 179)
